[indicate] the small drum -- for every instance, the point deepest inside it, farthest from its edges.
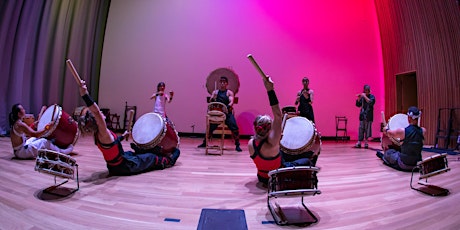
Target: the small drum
(213, 79)
(56, 164)
(151, 130)
(29, 119)
(397, 121)
(299, 136)
(294, 178)
(433, 165)
(217, 109)
(65, 129)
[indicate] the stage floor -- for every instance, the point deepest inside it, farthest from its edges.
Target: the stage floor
(358, 192)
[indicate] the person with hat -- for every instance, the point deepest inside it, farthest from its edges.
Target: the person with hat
(411, 149)
(225, 96)
(366, 102)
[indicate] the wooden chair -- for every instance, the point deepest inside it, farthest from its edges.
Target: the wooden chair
(215, 115)
(126, 117)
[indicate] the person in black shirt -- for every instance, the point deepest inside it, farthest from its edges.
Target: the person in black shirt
(411, 149)
(225, 96)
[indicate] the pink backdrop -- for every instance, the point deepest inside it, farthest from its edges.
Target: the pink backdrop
(334, 43)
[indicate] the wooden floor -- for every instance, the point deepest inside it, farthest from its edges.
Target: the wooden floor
(358, 192)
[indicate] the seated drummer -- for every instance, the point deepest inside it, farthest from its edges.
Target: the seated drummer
(225, 96)
(118, 161)
(264, 146)
(27, 148)
(411, 148)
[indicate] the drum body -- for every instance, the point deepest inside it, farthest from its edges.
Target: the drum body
(433, 165)
(151, 130)
(65, 129)
(295, 178)
(397, 121)
(299, 136)
(56, 164)
(217, 109)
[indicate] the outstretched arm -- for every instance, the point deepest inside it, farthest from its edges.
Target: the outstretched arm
(275, 132)
(103, 133)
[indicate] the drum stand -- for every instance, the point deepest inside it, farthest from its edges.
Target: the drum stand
(292, 215)
(428, 188)
(50, 189)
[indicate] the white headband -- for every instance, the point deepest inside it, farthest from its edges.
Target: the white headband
(411, 114)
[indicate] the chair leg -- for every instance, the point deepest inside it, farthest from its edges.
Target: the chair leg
(206, 141)
(222, 139)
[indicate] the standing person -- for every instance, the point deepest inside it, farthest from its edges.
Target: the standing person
(366, 102)
(305, 100)
(118, 161)
(160, 99)
(411, 149)
(264, 147)
(225, 96)
(28, 148)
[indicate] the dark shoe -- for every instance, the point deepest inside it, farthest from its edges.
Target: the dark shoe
(358, 146)
(203, 145)
(175, 155)
(379, 154)
(366, 146)
(238, 149)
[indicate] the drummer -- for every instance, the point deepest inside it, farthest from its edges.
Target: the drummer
(411, 148)
(118, 161)
(160, 99)
(265, 144)
(225, 96)
(28, 148)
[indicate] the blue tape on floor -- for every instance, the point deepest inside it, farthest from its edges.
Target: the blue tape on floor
(172, 220)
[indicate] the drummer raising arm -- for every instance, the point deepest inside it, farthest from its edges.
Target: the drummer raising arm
(264, 146)
(118, 161)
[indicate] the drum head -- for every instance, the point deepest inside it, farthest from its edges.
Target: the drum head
(212, 82)
(398, 121)
(47, 116)
(297, 133)
(147, 128)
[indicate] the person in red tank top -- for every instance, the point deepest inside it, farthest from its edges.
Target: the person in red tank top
(264, 146)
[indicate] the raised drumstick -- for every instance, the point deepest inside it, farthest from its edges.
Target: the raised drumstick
(130, 122)
(383, 119)
(251, 58)
(74, 71)
(41, 112)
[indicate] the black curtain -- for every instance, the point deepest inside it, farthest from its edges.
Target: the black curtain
(36, 38)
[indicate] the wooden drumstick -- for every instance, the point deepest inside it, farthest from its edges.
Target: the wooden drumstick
(418, 121)
(383, 119)
(283, 123)
(74, 71)
(251, 58)
(41, 112)
(130, 122)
